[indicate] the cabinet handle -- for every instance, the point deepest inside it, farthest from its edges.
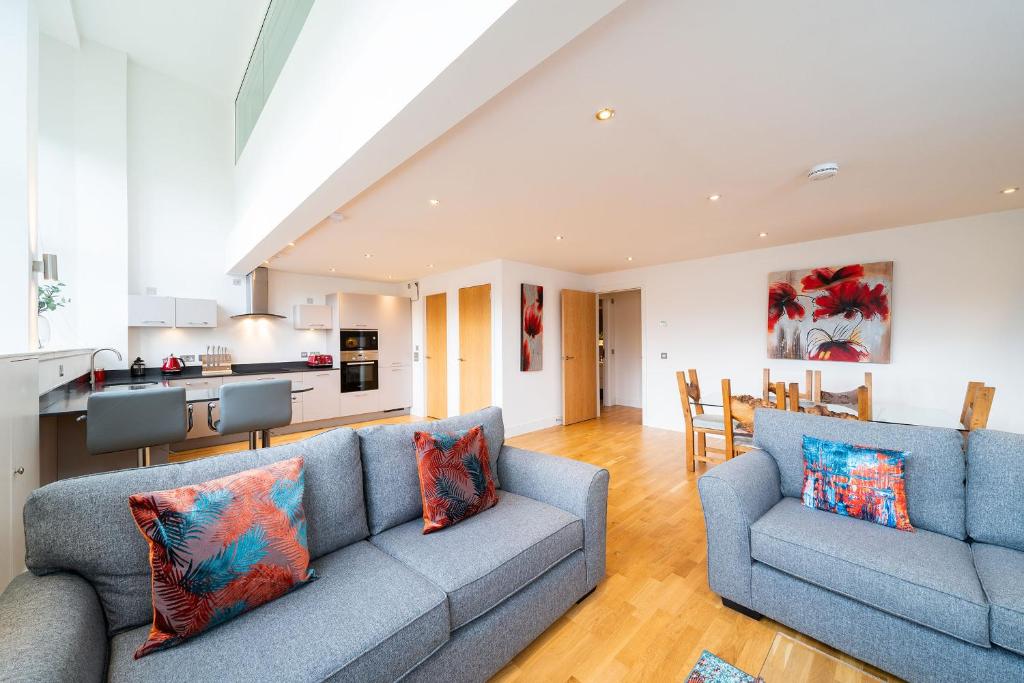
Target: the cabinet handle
(20, 470)
(153, 322)
(198, 323)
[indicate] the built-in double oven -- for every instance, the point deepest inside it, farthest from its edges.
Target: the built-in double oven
(358, 360)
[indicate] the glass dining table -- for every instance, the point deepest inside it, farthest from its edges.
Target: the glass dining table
(886, 413)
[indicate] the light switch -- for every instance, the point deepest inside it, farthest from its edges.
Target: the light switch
(305, 354)
(664, 356)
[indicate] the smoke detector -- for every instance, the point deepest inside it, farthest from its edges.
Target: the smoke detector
(823, 171)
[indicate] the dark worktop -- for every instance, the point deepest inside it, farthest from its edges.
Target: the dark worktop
(73, 397)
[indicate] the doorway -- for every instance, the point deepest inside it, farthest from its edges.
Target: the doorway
(474, 348)
(620, 348)
(436, 355)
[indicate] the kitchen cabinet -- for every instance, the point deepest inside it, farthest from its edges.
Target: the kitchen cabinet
(200, 426)
(311, 317)
(58, 369)
(359, 311)
(324, 401)
(395, 387)
(150, 311)
(394, 331)
(360, 402)
(195, 313)
(19, 457)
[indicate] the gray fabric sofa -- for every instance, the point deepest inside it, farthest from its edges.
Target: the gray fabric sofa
(943, 603)
(389, 603)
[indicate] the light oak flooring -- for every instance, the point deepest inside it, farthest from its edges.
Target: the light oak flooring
(654, 613)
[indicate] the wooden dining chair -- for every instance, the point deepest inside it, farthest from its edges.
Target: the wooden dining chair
(769, 388)
(698, 424)
(858, 398)
(736, 441)
(977, 405)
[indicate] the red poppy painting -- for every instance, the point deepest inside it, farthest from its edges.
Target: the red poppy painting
(831, 313)
(531, 356)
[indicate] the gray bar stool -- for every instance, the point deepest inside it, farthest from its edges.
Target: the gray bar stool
(121, 420)
(253, 407)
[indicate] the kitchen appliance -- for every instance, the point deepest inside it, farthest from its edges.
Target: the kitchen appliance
(320, 360)
(257, 295)
(137, 368)
(359, 371)
(172, 365)
(358, 340)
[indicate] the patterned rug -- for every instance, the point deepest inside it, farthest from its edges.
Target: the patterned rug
(711, 669)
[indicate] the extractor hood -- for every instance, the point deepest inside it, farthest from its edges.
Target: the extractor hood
(257, 295)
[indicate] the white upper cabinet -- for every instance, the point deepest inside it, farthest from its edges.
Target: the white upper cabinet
(150, 311)
(195, 313)
(359, 311)
(311, 317)
(395, 331)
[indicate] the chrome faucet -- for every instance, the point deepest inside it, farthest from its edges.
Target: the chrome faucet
(92, 364)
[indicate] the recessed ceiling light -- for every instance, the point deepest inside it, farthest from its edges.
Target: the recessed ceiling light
(291, 244)
(604, 114)
(629, 258)
(435, 202)
(714, 197)
(388, 276)
(763, 234)
(430, 265)
(367, 255)
(337, 216)
(559, 237)
(266, 263)
(332, 269)
(1009, 190)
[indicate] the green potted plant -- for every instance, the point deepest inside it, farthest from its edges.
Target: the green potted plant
(50, 299)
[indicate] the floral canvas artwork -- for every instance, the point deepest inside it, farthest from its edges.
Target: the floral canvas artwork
(832, 313)
(531, 356)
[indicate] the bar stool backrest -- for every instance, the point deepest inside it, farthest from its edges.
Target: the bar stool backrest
(255, 406)
(133, 419)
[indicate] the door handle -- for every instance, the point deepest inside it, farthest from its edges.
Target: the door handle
(462, 360)
(20, 470)
(568, 357)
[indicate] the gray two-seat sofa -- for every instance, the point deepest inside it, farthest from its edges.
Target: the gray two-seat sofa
(390, 602)
(942, 603)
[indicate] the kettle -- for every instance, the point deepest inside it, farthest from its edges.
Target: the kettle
(172, 365)
(138, 368)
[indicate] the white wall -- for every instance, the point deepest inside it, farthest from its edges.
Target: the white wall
(957, 315)
(529, 400)
(624, 336)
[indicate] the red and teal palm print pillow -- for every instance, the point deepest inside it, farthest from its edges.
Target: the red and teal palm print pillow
(856, 481)
(221, 548)
(455, 476)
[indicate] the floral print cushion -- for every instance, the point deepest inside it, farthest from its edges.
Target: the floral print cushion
(221, 548)
(856, 481)
(455, 476)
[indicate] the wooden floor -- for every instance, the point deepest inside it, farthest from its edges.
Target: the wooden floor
(654, 613)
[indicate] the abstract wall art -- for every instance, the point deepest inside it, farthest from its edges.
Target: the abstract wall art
(831, 313)
(531, 355)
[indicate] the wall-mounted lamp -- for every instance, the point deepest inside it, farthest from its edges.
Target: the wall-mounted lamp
(47, 266)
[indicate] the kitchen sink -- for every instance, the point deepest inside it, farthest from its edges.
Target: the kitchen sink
(127, 386)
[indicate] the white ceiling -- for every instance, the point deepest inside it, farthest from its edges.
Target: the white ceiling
(919, 101)
(203, 42)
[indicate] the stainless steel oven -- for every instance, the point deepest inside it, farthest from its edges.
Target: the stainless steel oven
(359, 371)
(358, 340)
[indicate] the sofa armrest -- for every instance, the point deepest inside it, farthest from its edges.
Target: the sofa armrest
(574, 486)
(734, 495)
(52, 628)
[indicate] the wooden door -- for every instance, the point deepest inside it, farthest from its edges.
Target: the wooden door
(579, 356)
(474, 348)
(435, 353)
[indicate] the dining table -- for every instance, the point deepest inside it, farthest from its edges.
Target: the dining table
(882, 412)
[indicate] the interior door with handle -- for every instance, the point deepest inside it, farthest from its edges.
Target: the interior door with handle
(474, 348)
(436, 355)
(579, 356)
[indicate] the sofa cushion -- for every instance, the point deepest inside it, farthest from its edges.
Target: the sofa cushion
(389, 464)
(455, 476)
(367, 618)
(995, 478)
(221, 548)
(1002, 576)
(934, 466)
(924, 577)
(98, 539)
(487, 558)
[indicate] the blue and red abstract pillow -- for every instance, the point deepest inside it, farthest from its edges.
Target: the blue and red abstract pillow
(856, 481)
(221, 548)
(455, 476)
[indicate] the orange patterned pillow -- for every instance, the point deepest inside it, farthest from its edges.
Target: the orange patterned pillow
(221, 548)
(455, 476)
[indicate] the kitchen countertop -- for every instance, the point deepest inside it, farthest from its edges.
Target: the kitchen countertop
(73, 397)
